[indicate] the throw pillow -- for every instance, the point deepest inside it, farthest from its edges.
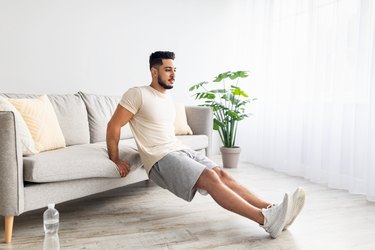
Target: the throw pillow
(180, 124)
(28, 145)
(42, 122)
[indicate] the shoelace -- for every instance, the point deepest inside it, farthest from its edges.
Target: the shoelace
(270, 205)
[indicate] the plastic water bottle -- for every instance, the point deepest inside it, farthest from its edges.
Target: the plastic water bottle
(51, 220)
(51, 242)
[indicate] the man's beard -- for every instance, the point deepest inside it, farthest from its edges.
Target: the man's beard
(163, 84)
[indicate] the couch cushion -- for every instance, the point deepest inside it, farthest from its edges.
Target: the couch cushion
(27, 141)
(41, 120)
(89, 161)
(100, 109)
(77, 162)
(71, 114)
(196, 142)
(181, 126)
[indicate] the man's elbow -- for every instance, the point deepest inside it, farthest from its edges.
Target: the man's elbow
(112, 129)
(109, 125)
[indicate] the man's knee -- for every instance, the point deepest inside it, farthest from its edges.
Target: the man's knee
(207, 179)
(223, 175)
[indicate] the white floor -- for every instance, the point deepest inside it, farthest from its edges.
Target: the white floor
(145, 216)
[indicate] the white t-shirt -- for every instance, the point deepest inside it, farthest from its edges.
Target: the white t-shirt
(152, 124)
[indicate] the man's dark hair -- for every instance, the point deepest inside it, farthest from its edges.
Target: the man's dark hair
(157, 57)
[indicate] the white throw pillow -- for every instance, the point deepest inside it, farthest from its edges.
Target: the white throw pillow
(40, 118)
(181, 125)
(28, 145)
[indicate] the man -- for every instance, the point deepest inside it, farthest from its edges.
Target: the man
(176, 167)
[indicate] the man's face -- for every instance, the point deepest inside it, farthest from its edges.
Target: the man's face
(166, 74)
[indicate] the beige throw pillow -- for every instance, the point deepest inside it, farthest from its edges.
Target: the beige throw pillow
(42, 122)
(28, 145)
(181, 125)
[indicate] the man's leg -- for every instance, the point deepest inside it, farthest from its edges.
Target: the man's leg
(240, 190)
(272, 219)
(226, 197)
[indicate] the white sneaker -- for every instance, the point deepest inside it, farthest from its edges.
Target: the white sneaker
(275, 217)
(297, 202)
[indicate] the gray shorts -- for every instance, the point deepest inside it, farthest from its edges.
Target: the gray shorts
(178, 172)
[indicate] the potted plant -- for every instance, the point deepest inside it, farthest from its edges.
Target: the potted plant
(228, 103)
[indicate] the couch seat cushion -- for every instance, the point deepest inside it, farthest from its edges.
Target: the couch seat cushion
(77, 162)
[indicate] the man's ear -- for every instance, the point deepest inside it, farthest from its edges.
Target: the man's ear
(154, 72)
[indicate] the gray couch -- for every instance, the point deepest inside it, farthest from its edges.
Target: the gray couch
(81, 168)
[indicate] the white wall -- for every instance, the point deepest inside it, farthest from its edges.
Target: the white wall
(102, 46)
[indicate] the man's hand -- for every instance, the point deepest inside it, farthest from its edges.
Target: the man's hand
(123, 167)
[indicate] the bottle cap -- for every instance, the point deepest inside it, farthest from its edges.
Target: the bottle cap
(51, 205)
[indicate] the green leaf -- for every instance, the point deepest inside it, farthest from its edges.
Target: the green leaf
(237, 74)
(222, 76)
(204, 95)
(225, 97)
(238, 91)
(218, 124)
(209, 96)
(218, 91)
(192, 87)
(197, 86)
(232, 114)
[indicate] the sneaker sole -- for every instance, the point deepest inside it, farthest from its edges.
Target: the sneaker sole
(297, 206)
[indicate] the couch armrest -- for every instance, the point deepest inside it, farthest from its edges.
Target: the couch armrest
(200, 121)
(11, 167)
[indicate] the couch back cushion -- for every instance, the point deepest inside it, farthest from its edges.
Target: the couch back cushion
(100, 109)
(71, 114)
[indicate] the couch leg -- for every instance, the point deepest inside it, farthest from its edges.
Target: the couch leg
(8, 228)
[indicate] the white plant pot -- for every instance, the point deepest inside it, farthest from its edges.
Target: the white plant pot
(230, 156)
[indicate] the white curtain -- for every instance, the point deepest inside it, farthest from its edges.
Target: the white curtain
(312, 66)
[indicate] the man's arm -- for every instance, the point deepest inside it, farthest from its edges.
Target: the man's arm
(120, 118)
